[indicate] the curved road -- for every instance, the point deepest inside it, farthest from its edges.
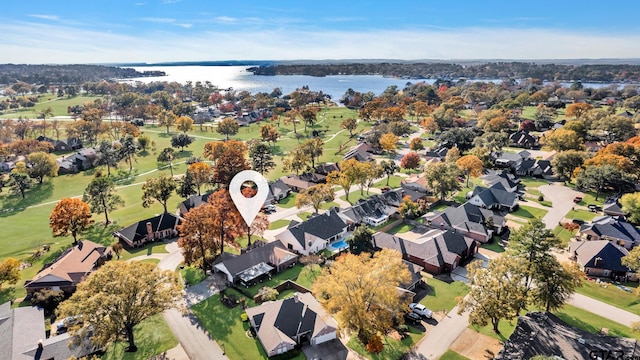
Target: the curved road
(561, 198)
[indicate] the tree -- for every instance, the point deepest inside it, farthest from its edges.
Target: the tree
(70, 216)
(45, 113)
(600, 177)
(462, 138)
(19, 182)
(41, 165)
(561, 140)
(389, 167)
(167, 155)
(429, 125)
(101, 197)
(47, 299)
(470, 165)
(158, 189)
(166, 118)
(314, 196)
(360, 240)
(269, 133)
(119, 296)
(186, 186)
(349, 124)
(258, 226)
(555, 284)
(184, 123)
(494, 290)
(117, 248)
(143, 142)
(9, 271)
(442, 178)
(564, 163)
(291, 117)
(107, 155)
(309, 116)
(198, 234)
(388, 141)
(201, 174)
(297, 160)
(351, 171)
(313, 148)
(416, 144)
(182, 141)
(128, 149)
(361, 291)
(409, 209)
(261, 158)
(228, 127)
(631, 206)
(578, 110)
(410, 161)
(230, 162)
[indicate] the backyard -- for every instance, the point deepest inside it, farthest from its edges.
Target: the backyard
(442, 295)
(152, 336)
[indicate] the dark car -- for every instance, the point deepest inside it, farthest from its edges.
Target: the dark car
(412, 317)
(577, 199)
(137, 122)
(594, 208)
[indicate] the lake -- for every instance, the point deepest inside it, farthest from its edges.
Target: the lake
(238, 78)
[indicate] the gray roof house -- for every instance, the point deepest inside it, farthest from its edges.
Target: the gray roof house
(522, 139)
(278, 190)
(599, 257)
(612, 207)
(470, 220)
(159, 227)
(507, 180)
(373, 211)
(283, 324)
(509, 159)
(314, 234)
(22, 329)
(542, 333)
(192, 202)
(612, 228)
(495, 197)
(256, 263)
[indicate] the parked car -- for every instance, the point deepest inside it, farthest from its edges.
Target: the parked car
(385, 189)
(578, 221)
(421, 310)
(577, 199)
(412, 317)
(268, 209)
(594, 208)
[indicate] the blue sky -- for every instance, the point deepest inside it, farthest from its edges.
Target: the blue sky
(74, 31)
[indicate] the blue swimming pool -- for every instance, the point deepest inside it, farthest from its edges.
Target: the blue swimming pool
(338, 245)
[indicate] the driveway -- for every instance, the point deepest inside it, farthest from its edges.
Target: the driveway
(561, 198)
(331, 350)
(205, 289)
(460, 273)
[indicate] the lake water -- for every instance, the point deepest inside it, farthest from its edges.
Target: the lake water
(238, 78)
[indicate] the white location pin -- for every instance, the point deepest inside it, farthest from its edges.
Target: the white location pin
(248, 207)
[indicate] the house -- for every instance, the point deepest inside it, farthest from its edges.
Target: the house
(296, 183)
(79, 161)
(495, 197)
(278, 190)
(510, 160)
(612, 228)
(255, 264)
(437, 251)
(7, 166)
(507, 180)
(361, 152)
(416, 276)
(284, 324)
(469, 220)
(535, 167)
(22, 330)
(192, 202)
(315, 233)
(600, 258)
(70, 268)
(544, 334)
(612, 207)
(438, 154)
(61, 145)
(327, 168)
(523, 139)
(415, 186)
(159, 227)
(373, 211)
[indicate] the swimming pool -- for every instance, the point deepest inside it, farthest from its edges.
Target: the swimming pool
(338, 245)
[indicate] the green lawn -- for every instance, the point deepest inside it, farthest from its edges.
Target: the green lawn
(152, 337)
(288, 202)
(289, 274)
(278, 224)
(402, 228)
(394, 182)
(452, 355)
(529, 212)
(506, 328)
(329, 204)
(304, 215)
(192, 275)
(308, 275)
(150, 248)
(581, 215)
(59, 106)
(612, 295)
(442, 296)
(152, 261)
(532, 183)
(393, 349)
(494, 245)
(354, 196)
(564, 235)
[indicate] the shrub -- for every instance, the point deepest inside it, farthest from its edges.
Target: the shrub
(244, 317)
(375, 345)
(267, 293)
(540, 198)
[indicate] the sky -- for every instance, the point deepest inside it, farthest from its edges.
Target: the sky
(120, 31)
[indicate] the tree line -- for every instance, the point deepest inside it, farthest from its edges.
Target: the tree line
(66, 74)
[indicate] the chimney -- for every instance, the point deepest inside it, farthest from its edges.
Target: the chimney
(149, 231)
(295, 297)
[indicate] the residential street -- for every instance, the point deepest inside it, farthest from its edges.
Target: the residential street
(562, 199)
(440, 338)
(603, 309)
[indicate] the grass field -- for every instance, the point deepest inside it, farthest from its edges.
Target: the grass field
(612, 295)
(442, 296)
(152, 337)
(192, 275)
(59, 106)
(452, 355)
(279, 224)
(563, 234)
(581, 215)
(529, 212)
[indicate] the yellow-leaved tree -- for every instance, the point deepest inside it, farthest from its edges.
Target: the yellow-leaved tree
(71, 216)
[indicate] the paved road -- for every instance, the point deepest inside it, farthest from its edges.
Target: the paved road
(605, 310)
(561, 198)
(440, 338)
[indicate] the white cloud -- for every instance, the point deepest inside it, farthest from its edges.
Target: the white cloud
(185, 25)
(45, 17)
(158, 20)
(23, 43)
(226, 20)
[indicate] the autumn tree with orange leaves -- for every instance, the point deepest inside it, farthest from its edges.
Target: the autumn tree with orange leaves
(230, 162)
(200, 174)
(470, 165)
(71, 216)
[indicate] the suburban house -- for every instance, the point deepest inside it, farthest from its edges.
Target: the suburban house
(23, 337)
(284, 324)
(70, 268)
(192, 202)
(256, 264)
(416, 276)
(315, 233)
(437, 251)
(373, 211)
(415, 186)
(600, 258)
(298, 183)
(438, 154)
(278, 190)
(508, 181)
(61, 145)
(495, 197)
(523, 139)
(535, 167)
(159, 227)
(79, 161)
(510, 160)
(543, 334)
(612, 228)
(361, 152)
(469, 220)
(612, 207)
(326, 168)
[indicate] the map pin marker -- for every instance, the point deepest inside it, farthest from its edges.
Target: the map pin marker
(248, 207)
